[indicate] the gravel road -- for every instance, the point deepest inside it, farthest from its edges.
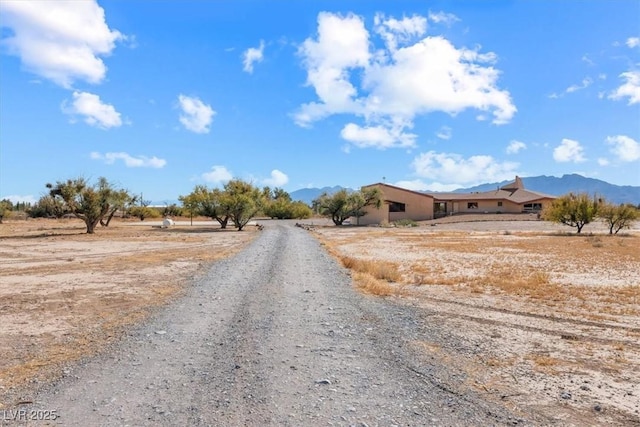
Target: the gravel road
(274, 336)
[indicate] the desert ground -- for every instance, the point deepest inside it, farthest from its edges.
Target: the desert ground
(550, 320)
(65, 295)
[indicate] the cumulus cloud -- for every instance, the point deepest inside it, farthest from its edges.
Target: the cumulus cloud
(62, 42)
(218, 175)
(455, 169)
(515, 147)
(633, 42)
(625, 148)
(95, 112)
(396, 32)
(129, 160)
(412, 75)
(569, 151)
(251, 56)
(602, 161)
(380, 136)
(196, 115)
(278, 179)
(630, 89)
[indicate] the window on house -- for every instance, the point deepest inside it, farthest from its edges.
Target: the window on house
(533, 206)
(499, 203)
(396, 207)
(472, 205)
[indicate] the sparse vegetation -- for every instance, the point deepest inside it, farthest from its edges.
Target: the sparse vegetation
(618, 217)
(405, 223)
(574, 210)
(278, 204)
(343, 205)
(90, 203)
(5, 209)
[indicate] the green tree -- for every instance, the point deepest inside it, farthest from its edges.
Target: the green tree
(88, 202)
(121, 200)
(48, 207)
(6, 206)
(574, 210)
(360, 200)
(143, 212)
(278, 204)
(207, 202)
(618, 217)
(342, 205)
(243, 200)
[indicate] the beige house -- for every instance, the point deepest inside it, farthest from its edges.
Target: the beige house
(399, 203)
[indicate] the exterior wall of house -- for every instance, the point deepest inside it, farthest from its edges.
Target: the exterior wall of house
(489, 206)
(418, 207)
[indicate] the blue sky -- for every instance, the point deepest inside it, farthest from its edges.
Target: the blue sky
(160, 96)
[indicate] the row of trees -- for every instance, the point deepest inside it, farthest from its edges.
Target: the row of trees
(239, 201)
(578, 210)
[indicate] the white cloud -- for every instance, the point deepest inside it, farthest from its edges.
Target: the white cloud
(15, 198)
(61, 41)
(516, 146)
(218, 174)
(196, 115)
(588, 60)
(442, 17)
(603, 161)
(625, 148)
(130, 161)
(455, 169)
(631, 88)
(569, 151)
(251, 56)
(444, 133)
(95, 112)
(380, 136)
(633, 42)
(278, 179)
(586, 82)
(395, 84)
(396, 32)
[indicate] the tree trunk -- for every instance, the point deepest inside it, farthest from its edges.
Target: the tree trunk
(579, 228)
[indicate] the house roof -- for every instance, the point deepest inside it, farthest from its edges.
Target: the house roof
(381, 184)
(513, 191)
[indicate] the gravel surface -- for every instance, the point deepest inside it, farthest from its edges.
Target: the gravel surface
(275, 336)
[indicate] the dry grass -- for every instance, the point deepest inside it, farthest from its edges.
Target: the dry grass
(382, 270)
(66, 294)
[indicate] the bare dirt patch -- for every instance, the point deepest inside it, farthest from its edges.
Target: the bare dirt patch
(552, 321)
(64, 294)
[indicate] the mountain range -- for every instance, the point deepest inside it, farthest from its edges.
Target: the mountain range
(544, 184)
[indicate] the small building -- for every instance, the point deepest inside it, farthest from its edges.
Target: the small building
(397, 203)
(400, 203)
(510, 198)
